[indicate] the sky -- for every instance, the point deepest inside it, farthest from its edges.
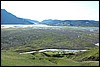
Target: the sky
(62, 10)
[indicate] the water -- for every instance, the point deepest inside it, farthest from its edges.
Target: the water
(23, 26)
(44, 50)
(63, 50)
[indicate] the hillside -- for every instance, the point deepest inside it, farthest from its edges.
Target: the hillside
(89, 23)
(90, 55)
(12, 58)
(32, 21)
(8, 18)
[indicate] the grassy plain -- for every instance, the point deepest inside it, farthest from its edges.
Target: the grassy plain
(14, 41)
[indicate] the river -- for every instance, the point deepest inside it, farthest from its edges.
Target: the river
(44, 50)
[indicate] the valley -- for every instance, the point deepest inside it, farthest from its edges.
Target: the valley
(35, 45)
(49, 33)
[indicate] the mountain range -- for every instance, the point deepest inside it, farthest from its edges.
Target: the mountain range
(9, 18)
(71, 22)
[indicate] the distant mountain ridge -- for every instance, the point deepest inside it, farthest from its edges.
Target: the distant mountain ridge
(32, 21)
(71, 22)
(8, 18)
